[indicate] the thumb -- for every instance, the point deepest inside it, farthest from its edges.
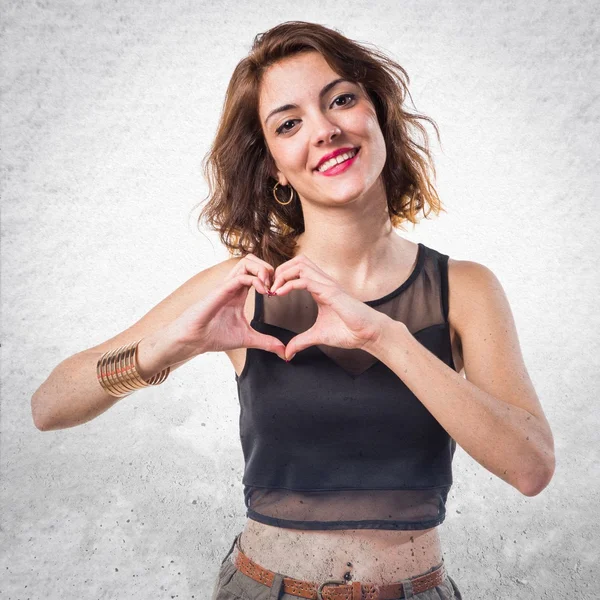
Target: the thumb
(296, 344)
(268, 343)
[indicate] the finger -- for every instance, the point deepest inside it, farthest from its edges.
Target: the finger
(297, 271)
(252, 268)
(258, 266)
(317, 288)
(301, 265)
(244, 280)
(266, 342)
(286, 271)
(299, 343)
(259, 286)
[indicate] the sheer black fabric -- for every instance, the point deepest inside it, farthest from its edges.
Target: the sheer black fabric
(334, 439)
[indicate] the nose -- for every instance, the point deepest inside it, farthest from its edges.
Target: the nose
(325, 131)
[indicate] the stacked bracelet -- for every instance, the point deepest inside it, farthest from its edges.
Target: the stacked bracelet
(117, 371)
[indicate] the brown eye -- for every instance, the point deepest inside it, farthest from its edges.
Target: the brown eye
(282, 128)
(350, 96)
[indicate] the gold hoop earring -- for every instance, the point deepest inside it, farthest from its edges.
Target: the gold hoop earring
(275, 195)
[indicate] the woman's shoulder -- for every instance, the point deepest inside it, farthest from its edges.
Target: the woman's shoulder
(473, 289)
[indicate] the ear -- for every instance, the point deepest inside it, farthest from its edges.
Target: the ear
(279, 176)
(274, 171)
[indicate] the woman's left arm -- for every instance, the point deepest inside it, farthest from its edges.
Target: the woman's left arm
(494, 414)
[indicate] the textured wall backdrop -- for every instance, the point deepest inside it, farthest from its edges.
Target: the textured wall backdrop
(107, 111)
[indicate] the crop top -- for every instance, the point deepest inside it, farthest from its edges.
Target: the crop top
(334, 439)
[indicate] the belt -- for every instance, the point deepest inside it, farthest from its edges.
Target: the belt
(334, 589)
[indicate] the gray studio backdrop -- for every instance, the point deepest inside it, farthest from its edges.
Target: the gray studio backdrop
(107, 110)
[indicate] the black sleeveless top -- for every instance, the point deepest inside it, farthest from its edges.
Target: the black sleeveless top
(334, 439)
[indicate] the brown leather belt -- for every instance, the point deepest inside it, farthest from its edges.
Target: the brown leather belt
(338, 589)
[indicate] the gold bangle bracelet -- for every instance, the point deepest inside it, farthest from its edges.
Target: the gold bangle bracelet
(108, 379)
(116, 378)
(109, 374)
(103, 377)
(125, 365)
(117, 371)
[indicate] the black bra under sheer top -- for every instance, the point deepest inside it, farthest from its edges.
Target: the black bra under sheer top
(334, 439)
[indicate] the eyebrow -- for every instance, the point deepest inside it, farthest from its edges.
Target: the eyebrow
(321, 94)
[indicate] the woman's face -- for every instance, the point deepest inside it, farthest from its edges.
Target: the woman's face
(324, 119)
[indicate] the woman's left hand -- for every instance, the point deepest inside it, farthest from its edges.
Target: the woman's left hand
(342, 321)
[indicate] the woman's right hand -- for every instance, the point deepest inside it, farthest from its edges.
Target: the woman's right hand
(217, 322)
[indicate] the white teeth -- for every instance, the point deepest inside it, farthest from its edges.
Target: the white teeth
(337, 160)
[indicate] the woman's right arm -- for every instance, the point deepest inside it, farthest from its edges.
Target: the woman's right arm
(72, 395)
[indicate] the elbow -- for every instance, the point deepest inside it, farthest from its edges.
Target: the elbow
(39, 424)
(38, 421)
(535, 483)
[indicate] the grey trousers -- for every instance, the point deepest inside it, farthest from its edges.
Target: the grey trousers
(232, 584)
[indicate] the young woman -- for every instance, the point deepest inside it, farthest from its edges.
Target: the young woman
(350, 350)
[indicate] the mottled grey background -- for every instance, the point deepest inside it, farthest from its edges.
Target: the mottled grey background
(107, 110)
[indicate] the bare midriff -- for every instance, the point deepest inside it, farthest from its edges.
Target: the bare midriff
(365, 555)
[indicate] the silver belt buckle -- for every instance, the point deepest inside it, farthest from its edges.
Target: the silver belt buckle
(328, 582)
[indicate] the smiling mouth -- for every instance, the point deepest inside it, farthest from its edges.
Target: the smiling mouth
(338, 160)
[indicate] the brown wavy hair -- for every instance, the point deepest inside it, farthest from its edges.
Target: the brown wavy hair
(239, 164)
